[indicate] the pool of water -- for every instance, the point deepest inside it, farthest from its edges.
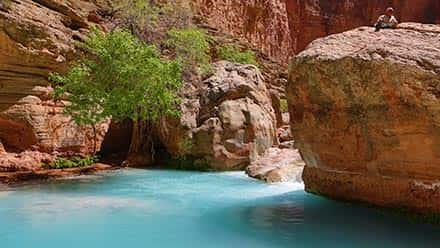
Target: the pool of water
(153, 208)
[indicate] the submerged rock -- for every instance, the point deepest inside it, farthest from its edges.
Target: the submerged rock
(365, 114)
(226, 122)
(277, 165)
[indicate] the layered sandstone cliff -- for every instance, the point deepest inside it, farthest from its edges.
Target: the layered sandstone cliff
(36, 38)
(365, 112)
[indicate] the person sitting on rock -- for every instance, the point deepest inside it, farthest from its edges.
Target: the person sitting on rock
(386, 21)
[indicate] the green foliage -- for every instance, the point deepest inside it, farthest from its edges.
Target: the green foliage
(151, 20)
(73, 162)
(284, 106)
(137, 12)
(123, 79)
(191, 46)
(234, 54)
(187, 163)
(176, 14)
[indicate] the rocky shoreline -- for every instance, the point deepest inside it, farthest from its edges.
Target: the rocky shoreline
(49, 174)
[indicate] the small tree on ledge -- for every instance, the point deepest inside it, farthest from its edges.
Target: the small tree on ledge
(122, 79)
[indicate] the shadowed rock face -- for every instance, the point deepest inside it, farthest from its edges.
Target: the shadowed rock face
(365, 112)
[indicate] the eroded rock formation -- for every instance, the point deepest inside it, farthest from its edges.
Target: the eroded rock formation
(365, 115)
(35, 124)
(226, 122)
(36, 38)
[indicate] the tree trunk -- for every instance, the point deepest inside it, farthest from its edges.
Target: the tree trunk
(94, 139)
(136, 139)
(141, 151)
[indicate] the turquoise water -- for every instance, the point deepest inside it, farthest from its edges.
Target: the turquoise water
(142, 208)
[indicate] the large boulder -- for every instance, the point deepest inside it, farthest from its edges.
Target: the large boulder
(277, 165)
(227, 121)
(365, 113)
(35, 124)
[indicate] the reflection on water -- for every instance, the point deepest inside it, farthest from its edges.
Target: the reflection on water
(140, 208)
(281, 214)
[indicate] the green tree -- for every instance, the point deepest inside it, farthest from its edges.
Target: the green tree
(123, 79)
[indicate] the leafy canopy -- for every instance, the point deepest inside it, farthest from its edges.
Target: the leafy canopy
(123, 79)
(234, 54)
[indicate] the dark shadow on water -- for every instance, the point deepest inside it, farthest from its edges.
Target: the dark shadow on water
(310, 221)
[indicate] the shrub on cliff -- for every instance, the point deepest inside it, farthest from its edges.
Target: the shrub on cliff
(73, 162)
(284, 106)
(122, 79)
(234, 54)
(191, 46)
(151, 20)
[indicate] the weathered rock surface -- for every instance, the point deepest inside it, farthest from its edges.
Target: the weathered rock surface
(365, 113)
(34, 124)
(311, 19)
(282, 28)
(277, 165)
(49, 174)
(24, 161)
(263, 23)
(37, 38)
(226, 122)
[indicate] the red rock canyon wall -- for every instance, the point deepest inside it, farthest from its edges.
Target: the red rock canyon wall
(282, 28)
